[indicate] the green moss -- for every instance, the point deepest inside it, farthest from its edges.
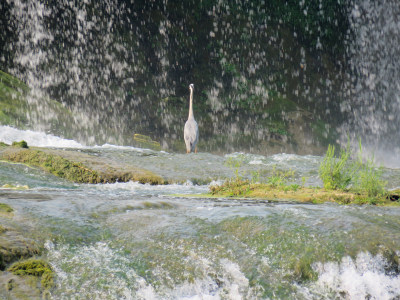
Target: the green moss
(21, 144)
(245, 189)
(6, 208)
(2, 229)
(144, 141)
(47, 280)
(34, 267)
(15, 187)
(157, 205)
(77, 171)
(56, 165)
(303, 271)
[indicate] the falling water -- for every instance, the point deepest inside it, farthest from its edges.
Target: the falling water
(375, 95)
(124, 67)
(127, 66)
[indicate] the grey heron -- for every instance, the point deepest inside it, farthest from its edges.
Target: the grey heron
(191, 131)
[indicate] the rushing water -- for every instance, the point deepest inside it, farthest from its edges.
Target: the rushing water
(133, 241)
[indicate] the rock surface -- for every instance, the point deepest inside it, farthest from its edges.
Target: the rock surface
(77, 166)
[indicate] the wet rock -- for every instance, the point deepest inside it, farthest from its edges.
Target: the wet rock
(392, 266)
(20, 287)
(394, 195)
(79, 167)
(13, 247)
(21, 277)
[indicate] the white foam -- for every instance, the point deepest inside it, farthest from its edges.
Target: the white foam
(362, 278)
(102, 267)
(35, 138)
(41, 139)
(256, 162)
(110, 146)
(136, 187)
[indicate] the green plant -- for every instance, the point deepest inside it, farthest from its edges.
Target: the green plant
(21, 144)
(361, 175)
(231, 188)
(234, 163)
(279, 177)
(255, 177)
(336, 172)
(368, 180)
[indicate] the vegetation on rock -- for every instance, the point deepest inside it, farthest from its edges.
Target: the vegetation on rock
(34, 267)
(21, 144)
(5, 208)
(145, 141)
(56, 165)
(345, 182)
(360, 175)
(77, 171)
(13, 247)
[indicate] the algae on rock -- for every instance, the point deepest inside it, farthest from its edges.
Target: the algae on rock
(34, 267)
(21, 144)
(79, 167)
(5, 208)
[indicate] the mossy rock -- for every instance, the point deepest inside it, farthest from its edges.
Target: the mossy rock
(13, 247)
(2, 144)
(79, 167)
(2, 229)
(34, 267)
(145, 141)
(5, 208)
(54, 164)
(21, 144)
(15, 187)
(245, 189)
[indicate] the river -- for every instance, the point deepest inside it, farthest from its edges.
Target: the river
(134, 241)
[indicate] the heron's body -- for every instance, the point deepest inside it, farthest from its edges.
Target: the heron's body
(191, 131)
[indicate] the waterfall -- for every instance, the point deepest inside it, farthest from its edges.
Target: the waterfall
(375, 95)
(302, 76)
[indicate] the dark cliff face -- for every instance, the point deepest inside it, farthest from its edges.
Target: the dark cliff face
(264, 71)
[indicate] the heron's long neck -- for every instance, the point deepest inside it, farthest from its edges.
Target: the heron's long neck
(191, 105)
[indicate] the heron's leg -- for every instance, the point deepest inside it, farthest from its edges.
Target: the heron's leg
(195, 149)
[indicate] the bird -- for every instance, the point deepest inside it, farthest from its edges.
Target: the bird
(191, 131)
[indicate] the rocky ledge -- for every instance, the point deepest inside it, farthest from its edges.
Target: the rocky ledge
(76, 166)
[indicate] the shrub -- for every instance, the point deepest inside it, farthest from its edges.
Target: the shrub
(336, 173)
(361, 175)
(368, 180)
